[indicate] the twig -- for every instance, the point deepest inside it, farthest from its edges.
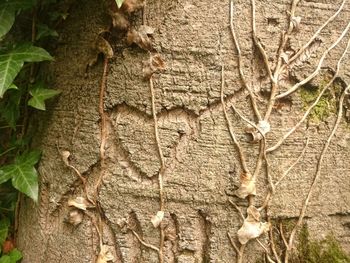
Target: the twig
(233, 243)
(317, 173)
(161, 170)
(283, 236)
(144, 243)
(239, 55)
(266, 251)
(258, 44)
(239, 251)
(302, 49)
(238, 209)
(235, 141)
(280, 142)
(318, 68)
(285, 173)
(272, 243)
(103, 124)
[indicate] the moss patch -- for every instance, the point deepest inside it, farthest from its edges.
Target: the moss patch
(327, 104)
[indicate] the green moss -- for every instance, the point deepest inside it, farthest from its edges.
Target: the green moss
(326, 105)
(324, 251)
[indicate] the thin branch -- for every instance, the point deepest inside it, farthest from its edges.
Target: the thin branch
(272, 243)
(306, 114)
(161, 170)
(233, 243)
(302, 49)
(238, 209)
(266, 251)
(239, 55)
(232, 134)
(258, 44)
(318, 171)
(144, 243)
(318, 68)
(239, 251)
(283, 236)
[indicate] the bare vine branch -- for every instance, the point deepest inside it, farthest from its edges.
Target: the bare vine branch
(229, 125)
(313, 105)
(317, 173)
(318, 68)
(241, 74)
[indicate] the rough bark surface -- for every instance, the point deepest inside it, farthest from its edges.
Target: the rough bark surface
(202, 166)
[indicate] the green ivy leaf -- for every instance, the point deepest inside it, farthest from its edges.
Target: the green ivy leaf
(39, 95)
(5, 259)
(119, 3)
(24, 175)
(4, 227)
(12, 62)
(15, 255)
(44, 31)
(7, 18)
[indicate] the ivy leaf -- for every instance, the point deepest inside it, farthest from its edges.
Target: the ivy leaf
(119, 3)
(12, 62)
(44, 31)
(4, 227)
(7, 18)
(39, 95)
(24, 175)
(15, 255)
(18, 4)
(5, 259)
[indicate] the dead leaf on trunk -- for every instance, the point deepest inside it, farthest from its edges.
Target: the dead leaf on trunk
(247, 186)
(157, 219)
(79, 202)
(141, 37)
(119, 20)
(130, 6)
(75, 217)
(103, 46)
(105, 255)
(252, 226)
(153, 65)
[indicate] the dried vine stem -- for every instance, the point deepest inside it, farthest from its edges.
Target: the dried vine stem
(144, 243)
(239, 251)
(241, 74)
(161, 170)
(229, 125)
(317, 173)
(258, 44)
(303, 48)
(318, 68)
(313, 105)
(103, 123)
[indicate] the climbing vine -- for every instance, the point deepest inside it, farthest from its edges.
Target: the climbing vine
(23, 88)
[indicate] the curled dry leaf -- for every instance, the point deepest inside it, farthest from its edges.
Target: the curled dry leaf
(130, 6)
(105, 255)
(119, 21)
(141, 37)
(252, 226)
(78, 202)
(65, 157)
(103, 46)
(257, 135)
(247, 186)
(75, 217)
(295, 23)
(157, 219)
(153, 65)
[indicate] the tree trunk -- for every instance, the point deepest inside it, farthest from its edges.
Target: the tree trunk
(202, 167)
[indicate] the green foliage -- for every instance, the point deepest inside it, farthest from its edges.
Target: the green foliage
(12, 257)
(21, 86)
(39, 95)
(324, 251)
(11, 62)
(119, 3)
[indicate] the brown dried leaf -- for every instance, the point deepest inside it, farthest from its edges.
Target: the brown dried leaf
(295, 23)
(102, 46)
(119, 20)
(141, 37)
(252, 226)
(130, 6)
(79, 202)
(105, 255)
(157, 219)
(247, 186)
(65, 157)
(154, 64)
(75, 217)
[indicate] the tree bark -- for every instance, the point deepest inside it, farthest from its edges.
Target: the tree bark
(201, 163)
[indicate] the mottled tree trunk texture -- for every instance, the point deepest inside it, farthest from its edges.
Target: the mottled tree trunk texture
(221, 155)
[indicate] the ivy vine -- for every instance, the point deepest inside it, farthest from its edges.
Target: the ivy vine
(22, 88)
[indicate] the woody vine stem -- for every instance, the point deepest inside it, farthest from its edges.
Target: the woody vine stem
(253, 226)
